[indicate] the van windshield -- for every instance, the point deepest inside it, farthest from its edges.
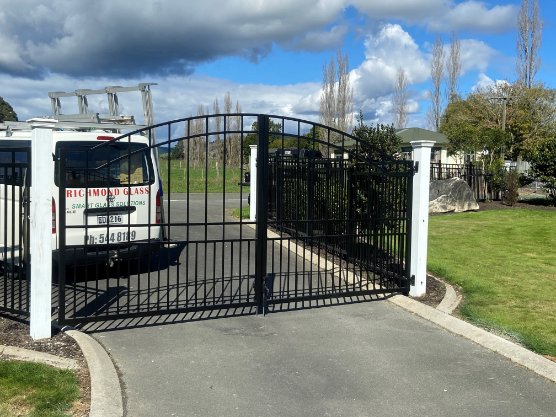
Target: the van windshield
(112, 164)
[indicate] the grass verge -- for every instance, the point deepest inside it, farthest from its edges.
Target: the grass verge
(34, 389)
(244, 212)
(198, 180)
(505, 262)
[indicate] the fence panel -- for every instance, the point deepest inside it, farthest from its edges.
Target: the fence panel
(480, 181)
(15, 162)
(350, 219)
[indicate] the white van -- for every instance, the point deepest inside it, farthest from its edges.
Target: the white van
(111, 195)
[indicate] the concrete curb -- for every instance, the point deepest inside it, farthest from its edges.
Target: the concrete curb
(515, 353)
(106, 392)
(450, 301)
(20, 354)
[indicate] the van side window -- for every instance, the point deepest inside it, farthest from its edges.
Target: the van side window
(109, 165)
(13, 166)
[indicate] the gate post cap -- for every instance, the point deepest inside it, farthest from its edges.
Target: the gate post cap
(422, 143)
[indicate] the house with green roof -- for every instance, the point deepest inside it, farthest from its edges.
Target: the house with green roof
(439, 152)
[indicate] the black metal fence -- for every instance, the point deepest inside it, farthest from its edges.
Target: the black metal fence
(15, 162)
(146, 227)
(481, 182)
(357, 212)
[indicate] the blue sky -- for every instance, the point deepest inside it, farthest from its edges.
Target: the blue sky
(268, 55)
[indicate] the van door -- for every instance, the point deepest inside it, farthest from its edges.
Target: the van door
(111, 195)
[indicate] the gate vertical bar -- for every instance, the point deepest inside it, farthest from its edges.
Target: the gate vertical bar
(408, 219)
(61, 270)
(262, 211)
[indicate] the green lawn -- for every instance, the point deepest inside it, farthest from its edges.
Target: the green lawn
(199, 179)
(245, 211)
(36, 390)
(505, 262)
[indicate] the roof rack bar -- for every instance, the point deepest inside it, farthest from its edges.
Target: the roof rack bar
(113, 104)
(58, 125)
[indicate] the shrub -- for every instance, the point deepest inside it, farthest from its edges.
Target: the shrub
(511, 188)
(543, 166)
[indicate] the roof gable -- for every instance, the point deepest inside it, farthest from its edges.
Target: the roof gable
(416, 133)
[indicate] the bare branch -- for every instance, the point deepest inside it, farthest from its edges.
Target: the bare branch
(529, 35)
(336, 102)
(400, 100)
(437, 70)
(453, 68)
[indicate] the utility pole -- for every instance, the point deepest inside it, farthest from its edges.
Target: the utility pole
(504, 101)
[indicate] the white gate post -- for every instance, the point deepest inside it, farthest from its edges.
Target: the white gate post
(253, 183)
(420, 216)
(41, 232)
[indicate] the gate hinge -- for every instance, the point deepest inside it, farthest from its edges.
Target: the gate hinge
(416, 167)
(412, 280)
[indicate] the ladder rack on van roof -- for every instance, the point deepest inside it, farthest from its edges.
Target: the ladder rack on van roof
(113, 103)
(114, 126)
(85, 121)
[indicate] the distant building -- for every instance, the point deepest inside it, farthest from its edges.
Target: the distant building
(439, 152)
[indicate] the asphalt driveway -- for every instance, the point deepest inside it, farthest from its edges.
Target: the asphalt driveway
(365, 359)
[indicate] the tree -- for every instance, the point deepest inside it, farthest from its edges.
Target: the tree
(473, 126)
(530, 118)
(378, 142)
(453, 69)
(217, 144)
(508, 120)
(400, 100)
(336, 101)
(543, 166)
(275, 137)
(198, 143)
(7, 113)
(437, 71)
(529, 33)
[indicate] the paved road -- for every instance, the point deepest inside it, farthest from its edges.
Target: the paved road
(367, 359)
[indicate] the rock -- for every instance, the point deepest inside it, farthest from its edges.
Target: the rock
(451, 195)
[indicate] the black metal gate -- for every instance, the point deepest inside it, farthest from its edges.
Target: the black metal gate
(330, 224)
(15, 163)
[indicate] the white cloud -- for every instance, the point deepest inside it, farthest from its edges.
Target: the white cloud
(108, 42)
(387, 51)
(476, 16)
(475, 55)
(118, 38)
(484, 82)
(174, 97)
(408, 10)
(319, 40)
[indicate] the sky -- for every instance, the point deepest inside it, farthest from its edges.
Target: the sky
(267, 54)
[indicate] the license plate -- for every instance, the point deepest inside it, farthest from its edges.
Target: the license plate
(112, 219)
